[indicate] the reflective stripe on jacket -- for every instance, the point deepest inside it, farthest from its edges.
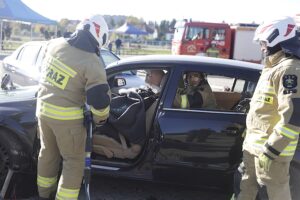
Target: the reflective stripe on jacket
(68, 74)
(184, 101)
(59, 113)
(273, 121)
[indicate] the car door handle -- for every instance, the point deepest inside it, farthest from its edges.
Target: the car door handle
(11, 68)
(231, 131)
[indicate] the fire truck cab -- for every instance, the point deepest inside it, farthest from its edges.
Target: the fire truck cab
(201, 38)
(216, 40)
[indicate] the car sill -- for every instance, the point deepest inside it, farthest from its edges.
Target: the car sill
(105, 167)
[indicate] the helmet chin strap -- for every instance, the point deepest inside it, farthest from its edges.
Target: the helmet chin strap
(272, 50)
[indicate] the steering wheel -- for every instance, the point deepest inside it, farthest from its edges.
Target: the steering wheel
(242, 106)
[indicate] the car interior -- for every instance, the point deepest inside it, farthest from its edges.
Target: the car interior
(131, 115)
(230, 93)
(113, 143)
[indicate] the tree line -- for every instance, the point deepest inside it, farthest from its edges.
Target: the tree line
(68, 26)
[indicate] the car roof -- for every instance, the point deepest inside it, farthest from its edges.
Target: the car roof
(35, 42)
(186, 59)
(44, 42)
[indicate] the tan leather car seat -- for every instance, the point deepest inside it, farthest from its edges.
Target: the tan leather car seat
(110, 147)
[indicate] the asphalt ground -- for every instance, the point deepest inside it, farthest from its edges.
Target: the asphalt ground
(106, 188)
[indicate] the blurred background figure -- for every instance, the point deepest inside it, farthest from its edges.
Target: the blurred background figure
(110, 45)
(118, 44)
(213, 51)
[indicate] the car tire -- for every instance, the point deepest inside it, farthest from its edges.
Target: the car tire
(23, 183)
(4, 163)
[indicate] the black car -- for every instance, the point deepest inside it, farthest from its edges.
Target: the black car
(197, 147)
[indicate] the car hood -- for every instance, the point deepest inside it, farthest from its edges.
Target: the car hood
(19, 94)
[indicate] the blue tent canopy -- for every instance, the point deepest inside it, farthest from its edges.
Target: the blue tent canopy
(16, 10)
(130, 29)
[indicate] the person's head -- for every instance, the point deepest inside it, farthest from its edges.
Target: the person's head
(97, 27)
(200, 35)
(154, 78)
(213, 44)
(271, 34)
(194, 78)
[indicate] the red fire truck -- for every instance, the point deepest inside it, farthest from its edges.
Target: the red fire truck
(216, 40)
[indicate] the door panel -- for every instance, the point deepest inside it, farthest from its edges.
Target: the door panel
(205, 145)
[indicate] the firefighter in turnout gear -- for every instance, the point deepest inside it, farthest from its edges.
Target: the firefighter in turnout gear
(194, 92)
(199, 92)
(73, 74)
(213, 51)
(273, 121)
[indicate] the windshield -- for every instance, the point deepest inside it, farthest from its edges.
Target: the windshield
(108, 57)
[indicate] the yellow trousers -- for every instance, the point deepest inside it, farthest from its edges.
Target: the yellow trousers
(64, 142)
(272, 185)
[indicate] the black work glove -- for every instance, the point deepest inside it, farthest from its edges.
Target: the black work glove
(195, 100)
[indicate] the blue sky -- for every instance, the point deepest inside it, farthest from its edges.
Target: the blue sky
(230, 11)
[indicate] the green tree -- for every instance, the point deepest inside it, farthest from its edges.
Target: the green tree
(134, 21)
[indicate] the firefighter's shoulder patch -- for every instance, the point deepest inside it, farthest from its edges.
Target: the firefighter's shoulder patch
(290, 83)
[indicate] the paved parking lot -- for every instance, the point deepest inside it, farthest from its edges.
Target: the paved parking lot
(104, 188)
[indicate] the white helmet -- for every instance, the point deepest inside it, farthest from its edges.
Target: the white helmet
(276, 31)
(97, 26)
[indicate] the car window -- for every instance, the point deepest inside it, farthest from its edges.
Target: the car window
(223, 83)
(40, 58)
(199, 90)
(144, 79)
(16, 53)
(28, 55)
(122, 81)
(108, 57)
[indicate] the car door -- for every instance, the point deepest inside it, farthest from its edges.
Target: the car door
(23, 70)
(199, 146)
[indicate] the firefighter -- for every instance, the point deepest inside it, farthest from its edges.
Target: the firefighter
(195, 93)
(199, 92)
(273, 123)
(73, 74)
(213, 51)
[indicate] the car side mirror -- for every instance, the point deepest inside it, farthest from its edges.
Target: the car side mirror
(134, 72)
(119, 82)
(5, 81)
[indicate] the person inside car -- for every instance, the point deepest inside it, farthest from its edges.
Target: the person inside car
(197, 92)
(130, 118)
(155, 78)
